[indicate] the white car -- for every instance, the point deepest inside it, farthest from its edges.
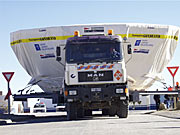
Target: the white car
(39, 107)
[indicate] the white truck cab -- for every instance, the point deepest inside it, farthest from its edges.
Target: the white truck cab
(95, 75)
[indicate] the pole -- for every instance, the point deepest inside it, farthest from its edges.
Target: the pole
(9, 103)
(174, 97)
(173, 84)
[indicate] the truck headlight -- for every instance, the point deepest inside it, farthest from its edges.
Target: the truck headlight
(119, 90)
(72, 92)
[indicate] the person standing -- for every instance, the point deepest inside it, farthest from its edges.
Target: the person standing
(167, 101)
(157, 100)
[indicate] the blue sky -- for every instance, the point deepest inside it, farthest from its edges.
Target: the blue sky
(16, 15)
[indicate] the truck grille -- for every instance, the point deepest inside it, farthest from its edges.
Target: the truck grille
(92, 76)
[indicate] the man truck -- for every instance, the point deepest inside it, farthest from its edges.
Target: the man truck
(95, 75)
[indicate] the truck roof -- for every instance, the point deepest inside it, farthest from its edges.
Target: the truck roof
(95, 38)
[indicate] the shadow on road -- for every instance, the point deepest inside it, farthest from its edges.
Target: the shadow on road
(168, 127)
(32, 119)
(147, 122)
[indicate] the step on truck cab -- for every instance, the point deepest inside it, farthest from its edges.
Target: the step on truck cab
(95, 76)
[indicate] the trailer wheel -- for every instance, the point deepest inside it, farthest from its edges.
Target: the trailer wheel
(71, 111)
(122, 110)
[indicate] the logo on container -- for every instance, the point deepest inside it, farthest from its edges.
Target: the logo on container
(137, 42)
(143, 43)
(43, 47)
(146, 51)
(93, 29)
(50, 55)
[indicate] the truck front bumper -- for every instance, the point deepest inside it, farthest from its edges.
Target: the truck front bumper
(96, 93)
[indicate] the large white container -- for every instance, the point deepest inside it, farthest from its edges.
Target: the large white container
(152, 45)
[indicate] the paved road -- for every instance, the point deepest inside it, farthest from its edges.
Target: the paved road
(136, 124)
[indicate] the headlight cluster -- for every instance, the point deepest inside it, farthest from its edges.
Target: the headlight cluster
(72, 92)
(119, 90)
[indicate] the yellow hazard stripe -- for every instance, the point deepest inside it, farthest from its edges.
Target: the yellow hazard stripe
(40, 39)
(66, 37)
(149, 36)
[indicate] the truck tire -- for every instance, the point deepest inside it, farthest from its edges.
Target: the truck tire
(112, 111)
(71, 111)
(122, 110)
(80, 112)
(87, 112)
(105, 111)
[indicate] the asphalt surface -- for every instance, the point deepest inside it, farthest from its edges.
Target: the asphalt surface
(138, 122)
(174, 114)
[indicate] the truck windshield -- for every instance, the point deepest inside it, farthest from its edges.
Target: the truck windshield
(93, 52)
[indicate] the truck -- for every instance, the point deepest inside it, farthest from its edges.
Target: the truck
(100, 66)
(95, 75)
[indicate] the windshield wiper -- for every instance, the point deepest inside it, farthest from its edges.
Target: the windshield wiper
(97, 60)
(80, 62)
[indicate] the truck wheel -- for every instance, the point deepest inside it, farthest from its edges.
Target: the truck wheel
(88, 112)
(80, 112)
(71, 111)
(122, 110)
(112, 111)
(105, 111)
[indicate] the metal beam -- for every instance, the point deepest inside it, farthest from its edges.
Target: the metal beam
(57, 97)
(159, 92)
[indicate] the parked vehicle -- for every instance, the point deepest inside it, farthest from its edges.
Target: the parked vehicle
(39, 107)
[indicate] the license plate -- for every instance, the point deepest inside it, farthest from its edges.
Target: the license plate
(95, 89)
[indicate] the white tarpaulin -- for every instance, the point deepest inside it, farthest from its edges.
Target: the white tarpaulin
(152, 46)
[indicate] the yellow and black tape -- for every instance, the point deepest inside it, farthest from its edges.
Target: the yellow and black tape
(66, 37)
(153, 36)
(40, 39)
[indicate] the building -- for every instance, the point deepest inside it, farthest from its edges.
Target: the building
(3, 103)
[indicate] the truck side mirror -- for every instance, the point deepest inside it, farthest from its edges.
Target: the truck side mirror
(129, 50)
(58, 53)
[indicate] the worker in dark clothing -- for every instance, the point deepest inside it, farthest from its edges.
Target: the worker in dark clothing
(157, 100)
(167, 101)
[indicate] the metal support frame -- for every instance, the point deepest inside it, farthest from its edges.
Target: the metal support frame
(57, 97)
(158, 92)
(136, 94)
